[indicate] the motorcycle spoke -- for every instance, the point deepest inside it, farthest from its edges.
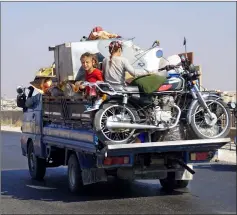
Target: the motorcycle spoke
(123, 135)
(111, 111)
(208, 104)
(202, 122)
(117, 114)
(117, 136)
(104, 117)
(105, 132)
(220, 116)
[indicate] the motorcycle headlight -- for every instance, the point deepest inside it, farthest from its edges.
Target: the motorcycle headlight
(232, 105)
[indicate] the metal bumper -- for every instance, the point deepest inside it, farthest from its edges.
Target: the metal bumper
(167, 146)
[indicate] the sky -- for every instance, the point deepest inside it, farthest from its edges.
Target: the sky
(29, 28)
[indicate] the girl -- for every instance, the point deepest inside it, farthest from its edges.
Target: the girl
(115, 66)
(89, 63)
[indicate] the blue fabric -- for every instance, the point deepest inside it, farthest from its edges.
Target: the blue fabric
(142, 137)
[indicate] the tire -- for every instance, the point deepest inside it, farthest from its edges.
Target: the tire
(37, 166)
(123, 182)
(97, 122)
(219, 135)
(182, 183)
(170, 183)
(74, 174)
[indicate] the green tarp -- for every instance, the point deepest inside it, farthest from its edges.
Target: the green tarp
(149, 83)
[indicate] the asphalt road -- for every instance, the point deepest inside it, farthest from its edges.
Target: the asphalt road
(213, 190)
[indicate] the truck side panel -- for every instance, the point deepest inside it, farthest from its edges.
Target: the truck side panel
(70, 134)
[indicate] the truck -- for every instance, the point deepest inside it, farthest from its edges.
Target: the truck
(56, 131)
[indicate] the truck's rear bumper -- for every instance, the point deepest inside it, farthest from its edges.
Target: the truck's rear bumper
(167, 146)
(153, 173)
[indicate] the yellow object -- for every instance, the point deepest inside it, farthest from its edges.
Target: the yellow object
(49, 71)
(101, 35)
(128, 76)
(193, 156)
(104, 97)
(41, 75)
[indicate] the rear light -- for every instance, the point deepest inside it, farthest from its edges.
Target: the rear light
(116, 160)
(199, 156)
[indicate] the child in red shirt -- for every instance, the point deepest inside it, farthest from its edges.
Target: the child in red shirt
(89, 63)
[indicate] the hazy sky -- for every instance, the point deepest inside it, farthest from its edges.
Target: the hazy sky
(27, 29)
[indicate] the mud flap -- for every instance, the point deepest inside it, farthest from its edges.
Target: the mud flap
(215, 157)
(185, 174)
(93, 175)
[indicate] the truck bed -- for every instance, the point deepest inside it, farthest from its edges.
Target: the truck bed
(86, 144)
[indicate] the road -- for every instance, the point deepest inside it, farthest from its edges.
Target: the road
(213, 190)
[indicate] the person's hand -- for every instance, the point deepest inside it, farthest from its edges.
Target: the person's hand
(151, 72)
(78, 84)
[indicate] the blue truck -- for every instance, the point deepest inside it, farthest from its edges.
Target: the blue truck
(47, 143)
(56, 131)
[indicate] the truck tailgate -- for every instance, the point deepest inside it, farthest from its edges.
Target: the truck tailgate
(166, 146)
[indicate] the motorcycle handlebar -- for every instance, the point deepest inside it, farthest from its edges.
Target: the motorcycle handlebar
(168, 67)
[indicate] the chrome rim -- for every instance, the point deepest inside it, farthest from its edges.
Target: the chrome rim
(116, 113)
(202, 121)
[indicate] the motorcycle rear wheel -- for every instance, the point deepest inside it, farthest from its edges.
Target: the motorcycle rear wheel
(109, 136)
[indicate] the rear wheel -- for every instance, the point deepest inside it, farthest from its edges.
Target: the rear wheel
(170, 183)
(74, 174)
(116, 112)
(37, 166)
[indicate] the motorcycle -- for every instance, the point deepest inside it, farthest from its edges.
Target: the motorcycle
(125, 112)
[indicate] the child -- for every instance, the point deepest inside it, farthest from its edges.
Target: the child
(89, 63)
(116, 66)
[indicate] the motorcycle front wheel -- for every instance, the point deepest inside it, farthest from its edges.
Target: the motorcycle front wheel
(206, 128)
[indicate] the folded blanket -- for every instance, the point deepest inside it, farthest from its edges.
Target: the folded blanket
(149, 83)
(101, 35)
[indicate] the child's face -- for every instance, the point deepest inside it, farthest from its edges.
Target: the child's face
(87, 63)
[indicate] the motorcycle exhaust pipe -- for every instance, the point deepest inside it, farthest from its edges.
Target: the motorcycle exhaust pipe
(124, 125)
(117, 125)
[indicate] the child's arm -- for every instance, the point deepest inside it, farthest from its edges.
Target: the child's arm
(134, 72)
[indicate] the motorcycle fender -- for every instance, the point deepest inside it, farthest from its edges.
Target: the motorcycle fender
(195, 101)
